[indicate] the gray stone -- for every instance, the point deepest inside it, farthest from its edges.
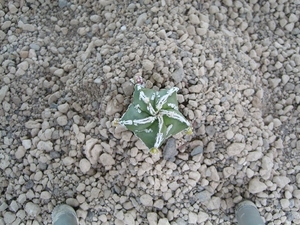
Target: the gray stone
(228, 171)
(214, 203)
(128, 218)
(285, 78)
(193, 218)
(228, 2)
(54, 155)
(152, 218)
(84, 165)
(20, 152)
(28, 27)
(95, 18)
(203, 196)
(163, 221)
(210, 147)
(14, 206)
(178, 75)
(107, 159)
(113, 107)
(159, 204)
(195, 88)
(249, 92)
(9, 217)
(181, 221)
(194, 19)
(63, 108)
(254, 156)
(213, 9)
(235, 149)
(285, 203)
(296, 193)
(209, 64)
(239, 110)
(289, 27)
(146, 200)
(68, 161)
(197, 150)
(274, 82)
(46, 195)
(62, 120)
(34, 46)
(214, 174)
(3, 92)
(128, 88)
(170, 150)
(162, 34)
(62, 3)
(281, 181)
(210, 130)
(72, 202)
(3, 206)
(45, 145)
(202, 31)
(12, 8)
(148, 65)
(26, 143)
(256, 186)
(293, 18)
(267, 163)
(229, 134)
(2, 35)
(141, 19)
(58, 72)
(202, 217)
(32, 209)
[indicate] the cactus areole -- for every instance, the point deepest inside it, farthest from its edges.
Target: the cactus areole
(153, 116)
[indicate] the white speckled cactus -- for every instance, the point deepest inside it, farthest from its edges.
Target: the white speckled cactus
(153, 116)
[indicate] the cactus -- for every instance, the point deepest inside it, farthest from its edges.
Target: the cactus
(153, 116)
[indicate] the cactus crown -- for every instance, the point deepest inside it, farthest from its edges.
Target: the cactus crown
(154, 116)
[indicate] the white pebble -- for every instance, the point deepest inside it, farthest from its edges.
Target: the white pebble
(256, 186)
(26, 143)
(194, 19)
(281, 181)
(84, 165)
(107, 160)
(68, 161)
(146, 200)
(20, 152)
(62, 120)
(58, 72)
(148, 65)
(235, 149)
(45, 195)
(32, 209)
(63, 108)
(95, 18)
(141, 19)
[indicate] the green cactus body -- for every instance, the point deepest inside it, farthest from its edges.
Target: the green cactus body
(154, 116)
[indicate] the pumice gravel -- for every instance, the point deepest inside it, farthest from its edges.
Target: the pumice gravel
(65, 70)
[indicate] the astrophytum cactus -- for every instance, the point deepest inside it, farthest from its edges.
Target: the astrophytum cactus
(153, 116)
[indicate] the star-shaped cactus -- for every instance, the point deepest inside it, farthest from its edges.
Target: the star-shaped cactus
(153, 116)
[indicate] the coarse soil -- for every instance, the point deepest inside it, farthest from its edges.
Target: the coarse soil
(65, 71)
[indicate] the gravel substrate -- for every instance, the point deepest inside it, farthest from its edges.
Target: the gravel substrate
(65, 70)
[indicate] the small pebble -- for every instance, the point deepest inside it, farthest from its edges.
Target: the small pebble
(256, 186)
(196, 151)
(32, 209)
(146, 200)
(84, 165)
(170, 150)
